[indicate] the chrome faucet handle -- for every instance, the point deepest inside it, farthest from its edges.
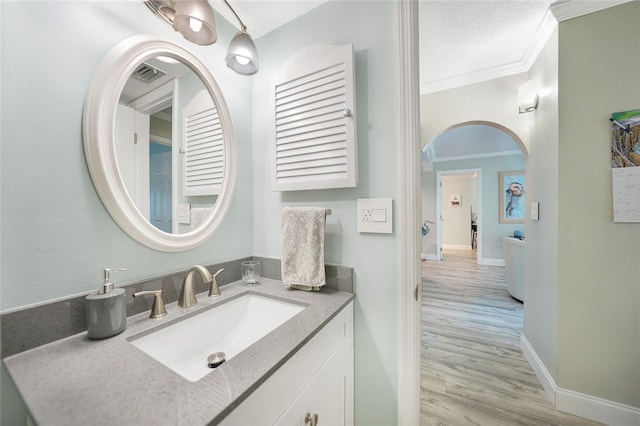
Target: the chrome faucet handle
(214, 290)
(157, 309)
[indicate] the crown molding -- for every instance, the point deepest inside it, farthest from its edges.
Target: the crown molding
(436, 159)
(564, 10)
(540, 38)
(542, 34)
(559, 11)
(473, 78)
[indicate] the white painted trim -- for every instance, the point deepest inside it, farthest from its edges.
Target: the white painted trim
(472, 156)
(457, 246)
(410, 215)
(473, 78)
(569, 9)
(576, 403)
(545, 379)
(427, 256)
(97, 128)
(540, 38)
(438, 215)
(594, 408)
(490, 262)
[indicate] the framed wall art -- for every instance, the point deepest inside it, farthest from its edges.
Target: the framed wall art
(512, 197)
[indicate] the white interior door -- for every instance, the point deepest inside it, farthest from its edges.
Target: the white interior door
(441, 199)
(132, 151)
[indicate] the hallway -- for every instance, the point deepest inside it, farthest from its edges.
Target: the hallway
(472, 369)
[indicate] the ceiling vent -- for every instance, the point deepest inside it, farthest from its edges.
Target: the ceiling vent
(146, 73)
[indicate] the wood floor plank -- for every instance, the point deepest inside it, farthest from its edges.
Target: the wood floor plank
(472, 369)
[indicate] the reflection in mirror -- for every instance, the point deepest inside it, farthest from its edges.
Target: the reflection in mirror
(169, 145)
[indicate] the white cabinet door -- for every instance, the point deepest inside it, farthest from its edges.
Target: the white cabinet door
(315, 143)
(327, 400)
(316, 380)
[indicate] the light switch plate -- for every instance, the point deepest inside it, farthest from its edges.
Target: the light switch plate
(375, 215)
(184, 213)
(535, 210)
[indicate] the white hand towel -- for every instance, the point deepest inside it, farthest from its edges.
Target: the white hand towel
(199, 215)
(303, 247)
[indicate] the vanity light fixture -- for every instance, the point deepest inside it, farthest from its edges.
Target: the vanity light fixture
(242, 55)
(195, 21)
(191, 18)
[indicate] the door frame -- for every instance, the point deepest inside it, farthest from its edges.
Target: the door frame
(409, 223)
(439, 204)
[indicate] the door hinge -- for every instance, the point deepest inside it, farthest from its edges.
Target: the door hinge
(135, 138)
(416, 292)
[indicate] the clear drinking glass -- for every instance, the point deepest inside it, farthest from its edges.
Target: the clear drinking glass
(250, 272)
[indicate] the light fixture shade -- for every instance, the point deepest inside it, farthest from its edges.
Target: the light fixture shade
(194, 20)
(242, 55)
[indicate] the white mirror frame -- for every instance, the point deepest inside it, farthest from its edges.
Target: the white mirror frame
(98, 133)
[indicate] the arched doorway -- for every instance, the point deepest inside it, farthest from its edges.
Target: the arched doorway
(476, 151)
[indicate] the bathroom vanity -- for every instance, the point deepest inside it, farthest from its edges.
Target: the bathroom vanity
(300, 372)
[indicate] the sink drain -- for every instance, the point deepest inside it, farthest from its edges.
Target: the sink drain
(215, 359)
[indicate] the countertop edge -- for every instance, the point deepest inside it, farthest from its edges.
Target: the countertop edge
(210, 399)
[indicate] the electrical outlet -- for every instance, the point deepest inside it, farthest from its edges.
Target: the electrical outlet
(375, 215)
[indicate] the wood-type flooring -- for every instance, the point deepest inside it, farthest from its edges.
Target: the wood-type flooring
(472, 369)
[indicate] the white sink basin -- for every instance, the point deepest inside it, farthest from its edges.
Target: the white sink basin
(230, 327)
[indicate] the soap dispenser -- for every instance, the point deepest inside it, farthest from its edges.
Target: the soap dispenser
(106, 310)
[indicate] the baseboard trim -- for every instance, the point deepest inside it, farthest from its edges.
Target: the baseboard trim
(491, 262)
(427, 256)
(545, 379)
(457, 246)
(598, 409)
(579, 404)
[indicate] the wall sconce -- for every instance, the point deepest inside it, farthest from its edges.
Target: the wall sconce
(195, 21)
(527, 97)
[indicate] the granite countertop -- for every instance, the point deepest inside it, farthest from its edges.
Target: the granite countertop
(77, 381)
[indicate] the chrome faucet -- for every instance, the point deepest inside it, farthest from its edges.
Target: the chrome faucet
(214, 290)
(187, 296)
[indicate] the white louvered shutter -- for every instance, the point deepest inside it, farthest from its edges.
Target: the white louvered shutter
(315, 132)
(203, 147)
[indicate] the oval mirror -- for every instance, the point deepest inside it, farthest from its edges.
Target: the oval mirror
(159, 143)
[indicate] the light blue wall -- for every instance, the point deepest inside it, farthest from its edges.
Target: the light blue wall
(59, 235)
(492, 230)
(541, 248)
(370, 27)
(56, 234)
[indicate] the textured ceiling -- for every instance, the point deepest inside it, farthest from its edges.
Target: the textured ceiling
(461, 42)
